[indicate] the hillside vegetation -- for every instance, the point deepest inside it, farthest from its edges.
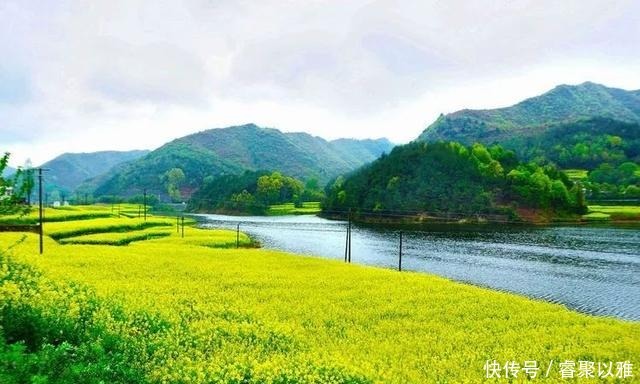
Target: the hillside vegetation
(67, 171)
(449, 178)
(197, 310)
(233, 150)
(588, 128)
(581, 144)
(252, 193)
(562, 104)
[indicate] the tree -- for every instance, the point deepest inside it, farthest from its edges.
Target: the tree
(269, 187)
(559, 194)
(173, 181)
(26, 182)
(11, 201)
(447, 177)
(243, 202)
(632, 191)
(276, 188)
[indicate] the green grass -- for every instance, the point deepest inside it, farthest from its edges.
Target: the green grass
(177, 309)
(613, 212)
(597, 216)
(308, 208)
(576, 174)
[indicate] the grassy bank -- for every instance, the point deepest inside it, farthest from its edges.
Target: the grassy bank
(195, 309)
(613, 213)
(307, 208)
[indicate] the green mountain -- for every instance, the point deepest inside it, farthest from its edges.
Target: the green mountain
(582, 144)
(563, 104)
(233, 150)
(447, 179)
(67, 171)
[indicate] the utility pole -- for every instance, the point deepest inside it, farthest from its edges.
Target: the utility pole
(40, 213)
(349, 235)
(346, 245)
(400, 254)
(30, 189)
(145, 203)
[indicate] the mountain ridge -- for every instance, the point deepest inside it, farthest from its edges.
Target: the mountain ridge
(563, 103)
(235, 149)
(69, 170)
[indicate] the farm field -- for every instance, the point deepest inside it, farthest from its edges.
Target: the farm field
(195, 309)
(72, 213)
(613, 212)
(308, 208)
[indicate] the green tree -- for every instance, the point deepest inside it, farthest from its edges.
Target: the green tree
(12, 199)
(269, 187)
(243, 202)
(559, 194)
(276, 188)
(173, 181)
(312, 190)
(632, 191)
(447, 177)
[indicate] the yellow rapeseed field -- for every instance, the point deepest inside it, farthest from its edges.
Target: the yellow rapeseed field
(198, 310)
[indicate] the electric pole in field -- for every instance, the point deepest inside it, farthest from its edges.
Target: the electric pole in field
(400, 254)
(144, 194)
(40, 209)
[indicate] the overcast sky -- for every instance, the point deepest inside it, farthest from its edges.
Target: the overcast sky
(80, 76)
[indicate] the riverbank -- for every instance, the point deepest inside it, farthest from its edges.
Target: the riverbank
(306, 208)
(195, 309)
(596, 214)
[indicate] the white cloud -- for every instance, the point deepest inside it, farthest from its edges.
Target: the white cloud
(126, 74)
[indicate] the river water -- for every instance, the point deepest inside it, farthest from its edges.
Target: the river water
(590, 269)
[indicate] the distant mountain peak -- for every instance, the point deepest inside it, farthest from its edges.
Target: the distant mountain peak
(562, 104)
(235, 149)
(69, 170)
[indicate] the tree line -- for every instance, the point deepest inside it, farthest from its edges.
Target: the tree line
(16, 190)
(252, 192)
(448, 177)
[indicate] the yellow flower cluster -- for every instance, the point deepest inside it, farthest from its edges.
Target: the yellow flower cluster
(195, 313)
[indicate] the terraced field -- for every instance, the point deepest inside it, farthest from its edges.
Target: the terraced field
(195, 309)
(307, 208)
(613, 212)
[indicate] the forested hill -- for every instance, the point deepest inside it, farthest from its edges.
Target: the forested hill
(447, 177)
(563, 104)
(67, 171)
(233, 150)
(583, 144)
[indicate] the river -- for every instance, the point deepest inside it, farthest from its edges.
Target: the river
(590, 269)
